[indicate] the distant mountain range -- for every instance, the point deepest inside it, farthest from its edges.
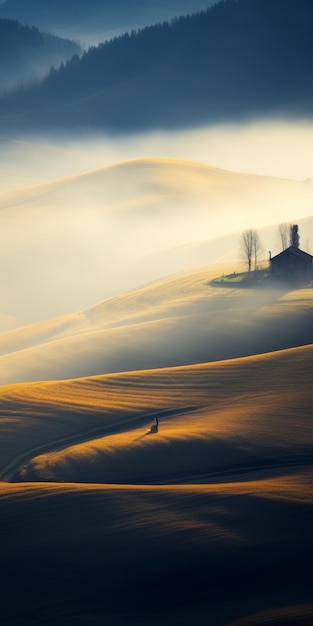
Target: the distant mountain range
(27, 54)
(237, 60)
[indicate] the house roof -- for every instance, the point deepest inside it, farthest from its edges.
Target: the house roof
(305, 256)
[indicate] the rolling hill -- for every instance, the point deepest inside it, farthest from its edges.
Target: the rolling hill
(108, 516)
(216, 505)
(71, 242)
(178, 321)
(213, 422)
(214, 509)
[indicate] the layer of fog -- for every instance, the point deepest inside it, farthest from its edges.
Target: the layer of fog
(58, 258)
(176, 322)
(271, 148)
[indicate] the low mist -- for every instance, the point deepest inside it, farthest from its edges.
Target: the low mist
(68, 243)
(178, 321)
(279, 148)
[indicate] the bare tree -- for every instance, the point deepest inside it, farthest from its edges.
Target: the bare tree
(251, 247)
(247, 247)
(284, 233)
(257, 248)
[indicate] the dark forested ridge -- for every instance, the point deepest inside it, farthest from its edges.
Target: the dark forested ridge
(61, 14)
(26, 53)
(238, 59)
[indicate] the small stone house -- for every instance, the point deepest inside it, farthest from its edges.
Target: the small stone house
(292, 263)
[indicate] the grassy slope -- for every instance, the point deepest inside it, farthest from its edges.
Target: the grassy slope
(177, 321)
(217, 548)
(138, 555)
(233, 545)
(213, 417)
(209, 520)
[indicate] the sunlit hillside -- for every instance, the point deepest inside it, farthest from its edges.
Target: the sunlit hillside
(182, 320)
(97, 503)
(72, 242)
(213, 418)
(215, 504)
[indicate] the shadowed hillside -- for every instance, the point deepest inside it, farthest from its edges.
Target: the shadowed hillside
(237, 60)
(27, 54)
(96, 554)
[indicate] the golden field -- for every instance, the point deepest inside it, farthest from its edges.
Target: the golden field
(104, 518)
(183, 319)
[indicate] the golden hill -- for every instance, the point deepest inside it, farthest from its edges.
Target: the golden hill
(104, 519)
(181, 320)
(213, 418)
(222, 536)
(71, 242)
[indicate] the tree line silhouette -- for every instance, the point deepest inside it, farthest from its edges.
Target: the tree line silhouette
(110, 14)
(23, 49)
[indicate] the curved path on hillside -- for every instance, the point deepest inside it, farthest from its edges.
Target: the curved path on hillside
(11, 472)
